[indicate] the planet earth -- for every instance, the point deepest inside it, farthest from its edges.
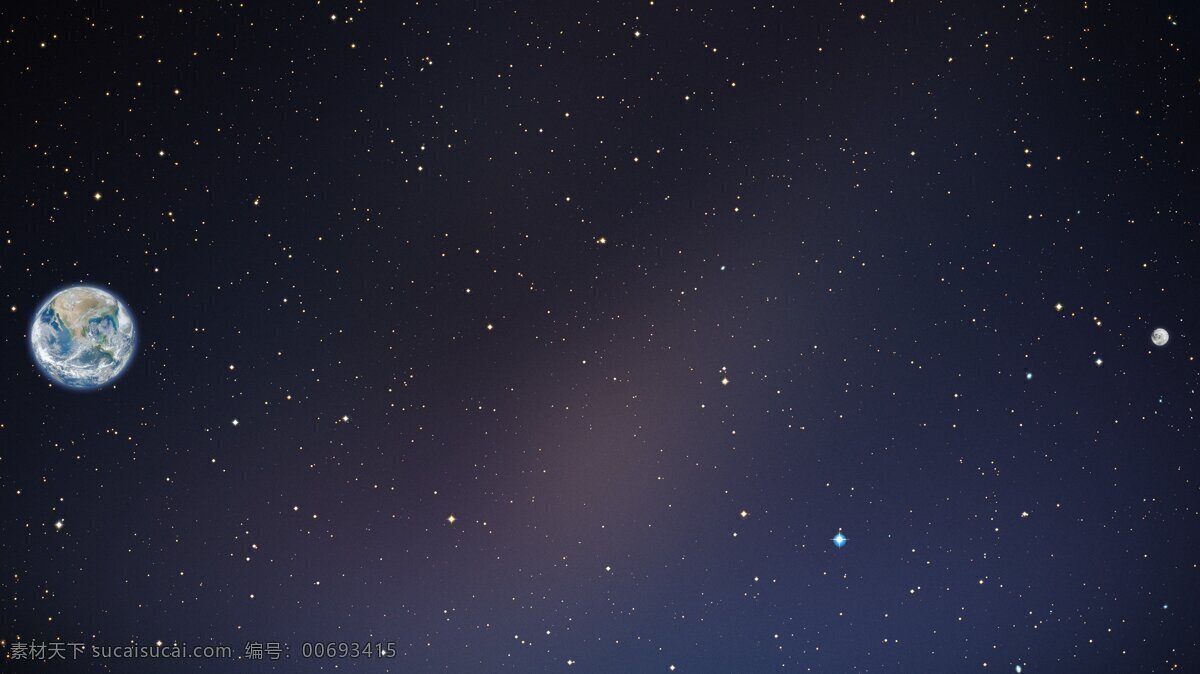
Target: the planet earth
(1160, 337)
(83, 337)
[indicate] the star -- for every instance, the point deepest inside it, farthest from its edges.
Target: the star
(744, 514)
(839, 540)
(451, 518)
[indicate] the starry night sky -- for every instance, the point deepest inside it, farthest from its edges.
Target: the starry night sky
(544, 337)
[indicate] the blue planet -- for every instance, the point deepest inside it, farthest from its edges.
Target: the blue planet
(83, 337)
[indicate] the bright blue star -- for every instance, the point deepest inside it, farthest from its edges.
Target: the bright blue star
(839, 540)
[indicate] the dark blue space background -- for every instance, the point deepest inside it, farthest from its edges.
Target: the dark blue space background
(563, 337)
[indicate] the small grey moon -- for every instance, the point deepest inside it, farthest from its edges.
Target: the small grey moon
(1160, 337)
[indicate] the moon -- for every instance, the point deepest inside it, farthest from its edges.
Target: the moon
(1160, 337)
